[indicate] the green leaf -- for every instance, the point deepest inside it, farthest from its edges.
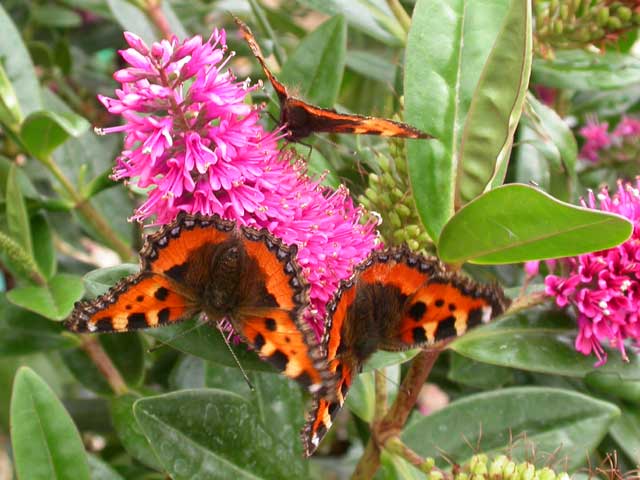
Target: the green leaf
(54, 300)
(626, 431)
(18, 67)
(43, 249)
(478, 375)
(516, 223)
(447, 47)
(133, 19)
(614, 385)
(314, 70)
(44, 131)
(372, 66)
(46, 443)
(371, 17)
(56, 16)
(99, 184)
(362, 394)
(213, 434)
(205, 341)
(100, 280)
(16, 211)
(538, 341)
(394, 467)
(550, 418)
(582, 70)
(496, 104)
(126, 352)
(10, 113)
(101, 470)
(129, 432)
(382, 359)
(23, 332)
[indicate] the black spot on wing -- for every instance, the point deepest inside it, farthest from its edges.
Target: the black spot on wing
(161, 294)
(446, 328)
(417, 311)
(177, 272)
(278, 359)
(137, 320)
(163, 315)
(439, 302)
(104, 324)
(419, 335)
(475, 318)
(334, 407)
(270, 324)
(258, 342)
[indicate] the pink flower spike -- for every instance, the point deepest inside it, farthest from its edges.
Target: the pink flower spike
(136, 42)
(603, 288)
(596, 137)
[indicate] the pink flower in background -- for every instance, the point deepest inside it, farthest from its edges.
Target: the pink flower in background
(604, 287)
(194, 143)
(628, 127)
(596, 137)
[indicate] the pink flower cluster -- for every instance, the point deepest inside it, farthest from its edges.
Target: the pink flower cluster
(598, 139)
(195, 145)
(604, 287)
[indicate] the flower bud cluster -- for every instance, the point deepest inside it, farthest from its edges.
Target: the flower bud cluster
(499, 468)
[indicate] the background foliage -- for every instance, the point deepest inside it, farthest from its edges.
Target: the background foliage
(469, 73)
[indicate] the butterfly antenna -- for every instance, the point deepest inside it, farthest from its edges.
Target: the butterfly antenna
(235, 357)
(161, 343)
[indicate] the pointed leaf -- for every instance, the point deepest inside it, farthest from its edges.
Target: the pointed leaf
(212, 434)
(516, 223)
(10, 113)
(44, 131)
(54, 300)
(496, 104)
(549, 417)
(46, 443)
(101, 470)
(447, 47)
(100, 280)
(314, 70)
(626, 431)
(43, 250)
(16, 211)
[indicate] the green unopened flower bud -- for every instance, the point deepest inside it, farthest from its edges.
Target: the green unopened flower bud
(435, 475)
(557, 27)
(384, 200)
(597, 34)
(563, 476)
(602, 16)
(496, 467)
(526, 471)
(545, 474)
(388, 180)
(428, 464)
(371, 195)
(509, 470)
(614, 23)
(582, 35)
(397, 194)
(403, 210)
(394, 219)
(384, 163)
(413, 244)
(374, 179)
(412, 231)
(624, 14)
(399, 236)
(541, 9)
(364, 201)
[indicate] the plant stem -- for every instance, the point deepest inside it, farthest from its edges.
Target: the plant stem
(393, 421)
(88, 212)
(264, 24)
(159, 19)
(400, 13)
(396, 446)
(381, 395)
(100, 358)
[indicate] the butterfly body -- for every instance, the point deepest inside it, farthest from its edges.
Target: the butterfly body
(301, 119)
(210, 265)
(396, 300)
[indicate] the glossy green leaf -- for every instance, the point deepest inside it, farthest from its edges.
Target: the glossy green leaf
(614, 385)
(371, 17)
(447, 47)
(55, 16)
(101, 470)
(16, 211)
(626, 431)
(496, 104)
(382, 359)
(126, 352)
(44, 131)
(18, 67)
(190, 372)
(583, 70)
(44, 251)
(314, 70)
(133, 19)
(46, 444)
(394, 467)
(213, 434)
(516, 223)
(54, 300)
(100, 280)
(130, 433)
(549, 417)
(478, 375)
(10, 113)
(23, 332)
(539, 341)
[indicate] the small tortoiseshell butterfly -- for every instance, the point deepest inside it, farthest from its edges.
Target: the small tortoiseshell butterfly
(396, 300)
(207, 264)
(302, 119)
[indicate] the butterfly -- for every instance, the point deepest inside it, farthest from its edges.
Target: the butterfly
(207, 264)
(302, 119)
(396, 300)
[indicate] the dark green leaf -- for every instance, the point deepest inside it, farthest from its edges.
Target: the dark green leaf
(99, 281)
(371, 65)
(46, 444)
(582, 70)
(17, 65)
(549, 417)
(44, 131)
(448, 45)
(516, 223)
(538, 341)
(394, 467)
(44, 252)
(213, 434)
(496, 104)
(23, 332)
(100, 183)
(54, 300)
(314, 70)
(626, 431)
(371, 17)
(479, 375)
(62, 55)
(614, 385)
(382, 359)
(362, 395)
(129, 432)
(16, 211)
(101, 470)
(133, 19)
(56, 16)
